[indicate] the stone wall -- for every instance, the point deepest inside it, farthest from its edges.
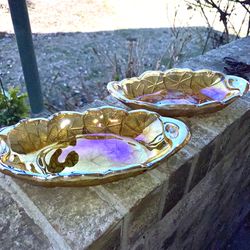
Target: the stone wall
(195, 200)
(211, 210)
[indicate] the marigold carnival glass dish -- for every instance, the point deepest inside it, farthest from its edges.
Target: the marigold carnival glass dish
(97, 146)
(179, 92)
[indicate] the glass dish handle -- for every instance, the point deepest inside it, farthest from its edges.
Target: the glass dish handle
(175, 131)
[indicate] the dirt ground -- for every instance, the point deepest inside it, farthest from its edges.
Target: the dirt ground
(49, 16)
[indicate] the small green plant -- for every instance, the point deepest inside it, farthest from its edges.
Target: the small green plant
(13, 106)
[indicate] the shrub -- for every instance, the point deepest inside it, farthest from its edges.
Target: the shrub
(13, 106)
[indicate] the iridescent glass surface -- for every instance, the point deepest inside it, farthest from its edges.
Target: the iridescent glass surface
(93, 147)
(179, 92)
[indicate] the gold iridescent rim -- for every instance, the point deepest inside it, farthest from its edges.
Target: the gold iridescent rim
(138, 140)
(186, 92)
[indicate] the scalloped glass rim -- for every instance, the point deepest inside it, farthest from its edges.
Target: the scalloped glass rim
(81, 178)
(232, 83)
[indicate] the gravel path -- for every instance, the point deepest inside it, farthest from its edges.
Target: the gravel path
(79, 64)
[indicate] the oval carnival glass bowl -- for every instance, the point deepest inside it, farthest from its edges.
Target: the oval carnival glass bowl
(179, 92)
(97, 146)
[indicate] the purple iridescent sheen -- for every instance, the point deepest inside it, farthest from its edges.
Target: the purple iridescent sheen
(116, 150)
(169, 97)
(214, 93)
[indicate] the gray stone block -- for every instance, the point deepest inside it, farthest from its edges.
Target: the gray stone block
(17, 229)
(79, 215)
(133, 190)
